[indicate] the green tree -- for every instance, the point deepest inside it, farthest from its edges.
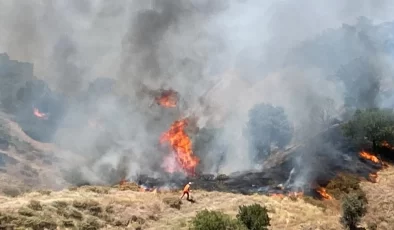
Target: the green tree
(254, 217)
(371, 125)
(214, 220)
(353, 208)
(268, 125)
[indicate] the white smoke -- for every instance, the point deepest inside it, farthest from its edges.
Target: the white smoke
(189, 46)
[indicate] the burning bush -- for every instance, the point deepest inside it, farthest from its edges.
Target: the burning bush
(214, 220)
(353, 208)
(254, 217)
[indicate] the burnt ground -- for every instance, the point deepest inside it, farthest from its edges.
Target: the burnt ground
(301, 167)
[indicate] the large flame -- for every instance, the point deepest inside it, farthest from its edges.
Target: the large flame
(39, 114)
(181, 147)
(323, 193)
(367, 156)
(168, 98)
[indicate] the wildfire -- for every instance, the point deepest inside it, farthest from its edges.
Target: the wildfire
(168, 98)
(323, 193)
(39, 114)
(181, 147)
(368, 156)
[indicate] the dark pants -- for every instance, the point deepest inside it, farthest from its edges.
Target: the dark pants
(187, 195)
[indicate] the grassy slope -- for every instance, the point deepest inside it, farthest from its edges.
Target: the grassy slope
(132, 209)
(285, 213)
(381, 200)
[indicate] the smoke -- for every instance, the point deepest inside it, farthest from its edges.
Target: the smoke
(222, 57)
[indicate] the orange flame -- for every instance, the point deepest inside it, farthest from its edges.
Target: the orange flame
(387, 145)
(368, 156)
(323, 193)
(181, 146)
(168, 98)
(39, 114)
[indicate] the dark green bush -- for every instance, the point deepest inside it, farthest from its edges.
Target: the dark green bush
(353, 208)
(214, 220)
(254, 217)
(345, 184)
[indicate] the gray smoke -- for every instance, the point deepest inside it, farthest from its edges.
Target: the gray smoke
(222, 57)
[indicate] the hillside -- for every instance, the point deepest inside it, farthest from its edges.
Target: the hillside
(114, 208)
(25, 163)
(30, 165)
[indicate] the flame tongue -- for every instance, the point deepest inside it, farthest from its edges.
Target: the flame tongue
(168, 98)
(181, 146)
(39, 114)
(368, 156)
(323, 193)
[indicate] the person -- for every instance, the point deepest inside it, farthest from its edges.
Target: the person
(186, 191)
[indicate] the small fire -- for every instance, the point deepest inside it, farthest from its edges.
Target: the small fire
(368, 156)
(168, 98)
(39, 114)
(373, 177)
(387, 145)
(181, 148)
(323, 193)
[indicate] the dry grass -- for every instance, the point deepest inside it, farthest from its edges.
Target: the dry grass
(97, 207)
(86, 208)
(380, 200)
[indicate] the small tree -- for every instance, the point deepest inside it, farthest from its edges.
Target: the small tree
(254, 217)
(268, 125)
(373, 125)
(214, 220)
(353, 208)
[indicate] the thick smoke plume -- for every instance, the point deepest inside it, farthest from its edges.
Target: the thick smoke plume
(108, 60)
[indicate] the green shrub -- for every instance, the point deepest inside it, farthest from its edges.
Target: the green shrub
(353, 208)
(344, 184)
(214, 220)
(254, 217)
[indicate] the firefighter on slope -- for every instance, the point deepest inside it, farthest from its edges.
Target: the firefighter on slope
(186, 191)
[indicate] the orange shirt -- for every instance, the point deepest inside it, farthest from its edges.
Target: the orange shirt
(186, 188)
